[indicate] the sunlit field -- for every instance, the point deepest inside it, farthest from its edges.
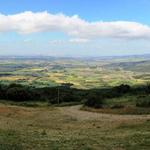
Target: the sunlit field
(82, 73)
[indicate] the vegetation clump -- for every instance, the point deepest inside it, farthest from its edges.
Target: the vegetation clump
(143, 101)
(94, 101)
(96, 98)
(117, 106)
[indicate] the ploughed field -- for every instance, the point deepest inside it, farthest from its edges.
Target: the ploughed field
(69, 128)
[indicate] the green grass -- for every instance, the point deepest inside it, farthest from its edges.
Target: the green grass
(139, 135)
(82, 73)
(125, 105)
(51, 129)
(120, 111)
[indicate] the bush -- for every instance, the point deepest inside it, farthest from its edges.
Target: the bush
(117, 106)
(123, 88)
(18, 94)
(143, 101)
(94, 101)
(148, 88)
(69, 98)
(14, 85)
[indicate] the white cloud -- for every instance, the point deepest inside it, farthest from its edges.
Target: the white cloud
(78, 40)
(74, 26)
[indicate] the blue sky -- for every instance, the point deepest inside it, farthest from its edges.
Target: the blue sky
(74, 27)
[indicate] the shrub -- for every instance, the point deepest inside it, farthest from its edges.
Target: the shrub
(14, 85)
(18, 94)
(123, 88)
(148, 88)
(117, 106)
(143, 101)
(69, 98)
(94, 101)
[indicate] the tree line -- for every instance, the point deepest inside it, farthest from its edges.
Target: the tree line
(66, 93)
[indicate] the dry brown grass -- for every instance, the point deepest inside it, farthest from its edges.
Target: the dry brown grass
(69, 128)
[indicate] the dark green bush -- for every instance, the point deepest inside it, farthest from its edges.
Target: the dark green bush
(117, 106)
(93, 97)
(148, 88)
(94, 101)
(18, 94)
(143, 101)
(122, 89)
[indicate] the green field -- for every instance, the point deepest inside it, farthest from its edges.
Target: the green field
(82, 72)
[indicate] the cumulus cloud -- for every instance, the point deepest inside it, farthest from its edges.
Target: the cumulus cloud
(79, 29)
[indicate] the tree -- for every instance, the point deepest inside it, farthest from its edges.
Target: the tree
(18, 94)
(94, 101)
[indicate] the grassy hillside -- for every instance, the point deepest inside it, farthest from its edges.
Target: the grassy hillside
(68, 128)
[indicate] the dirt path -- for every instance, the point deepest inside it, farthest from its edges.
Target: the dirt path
(75, 112)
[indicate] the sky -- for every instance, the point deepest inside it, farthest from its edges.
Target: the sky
(74, 27)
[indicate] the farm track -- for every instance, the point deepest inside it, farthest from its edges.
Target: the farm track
(70, 111)
(76, 112)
